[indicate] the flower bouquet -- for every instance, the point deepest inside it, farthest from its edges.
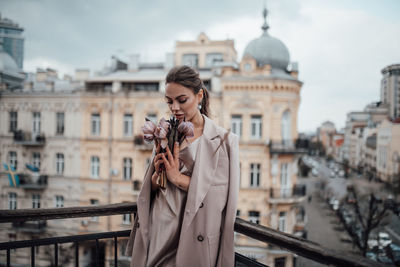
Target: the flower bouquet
(166, 133)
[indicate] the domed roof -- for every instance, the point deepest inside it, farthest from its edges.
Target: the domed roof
(267, 50)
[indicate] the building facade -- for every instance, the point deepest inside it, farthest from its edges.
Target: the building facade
(390, 92)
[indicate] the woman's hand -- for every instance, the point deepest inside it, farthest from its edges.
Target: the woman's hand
(157, 161)
(171, 163)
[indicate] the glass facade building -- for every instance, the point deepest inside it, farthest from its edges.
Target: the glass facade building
(13, 41)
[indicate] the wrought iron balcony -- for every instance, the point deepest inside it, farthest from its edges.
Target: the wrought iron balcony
(140, 144)
(28, 139)
(297, 245)
(287, 194)
(34, 227)
(29, 181)
(286, 147)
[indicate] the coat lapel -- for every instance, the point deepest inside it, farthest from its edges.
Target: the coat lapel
(206, 162)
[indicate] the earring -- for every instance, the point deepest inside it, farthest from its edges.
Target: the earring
(199, 106)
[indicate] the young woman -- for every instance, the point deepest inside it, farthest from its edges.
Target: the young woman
(190, 222)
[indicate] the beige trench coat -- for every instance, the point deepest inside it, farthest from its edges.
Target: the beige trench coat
(207, 236)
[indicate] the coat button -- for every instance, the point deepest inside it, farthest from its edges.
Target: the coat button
(200, 238)
(201, 205)
(137, 224)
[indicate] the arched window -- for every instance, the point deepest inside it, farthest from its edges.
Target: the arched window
(285, 127)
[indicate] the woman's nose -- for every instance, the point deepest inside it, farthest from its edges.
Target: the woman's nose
(175, 106)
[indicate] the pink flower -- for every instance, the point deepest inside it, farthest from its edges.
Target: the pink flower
(160, 133)
(148, 130)
(186, 128)
(164, 124)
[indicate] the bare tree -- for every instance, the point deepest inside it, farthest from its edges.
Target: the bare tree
(370, 212)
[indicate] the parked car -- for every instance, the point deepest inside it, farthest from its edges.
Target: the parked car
(382, 241)
(314, 172)
(393, 252)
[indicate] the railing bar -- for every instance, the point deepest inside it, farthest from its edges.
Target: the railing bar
(8, 258)
(63, 239)
(33, 256)
(97, 253)
(115, 251)
(76, 254)
(56, 254)
(22, 215)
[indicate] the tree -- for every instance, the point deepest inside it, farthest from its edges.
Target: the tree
(370, 212)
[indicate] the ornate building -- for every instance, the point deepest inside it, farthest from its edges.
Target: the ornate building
(104, 157)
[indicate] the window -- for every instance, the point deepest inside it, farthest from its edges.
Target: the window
(255, 175)
(236, 125)
(94, 202)
(191, 60)
(285, 127)
(255, 127)
(237, 213)
(36, 159)
(128, 125)
(254, 216)
(36, 123)
(12, 159)
(136, 185)
(12, 201)
(280, 262)
(59, 163)
(282, 221)
(59, 201)
(152, 117)
(95, 122)
(94, 167)
(147, 87)
(285, 180)
(13, 115)
(35, 201)
(127, 175)
(60, 123)
(126, 218)
(212, 58)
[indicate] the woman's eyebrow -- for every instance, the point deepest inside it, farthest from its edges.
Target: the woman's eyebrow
(176, 97)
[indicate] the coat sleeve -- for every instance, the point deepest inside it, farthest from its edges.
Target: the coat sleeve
(226, 255)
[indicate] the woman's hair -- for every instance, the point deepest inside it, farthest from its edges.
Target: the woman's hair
(189, 78)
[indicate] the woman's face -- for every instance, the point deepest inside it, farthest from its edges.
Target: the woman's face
(182, 101)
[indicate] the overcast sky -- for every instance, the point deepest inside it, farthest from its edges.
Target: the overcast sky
(341, 45)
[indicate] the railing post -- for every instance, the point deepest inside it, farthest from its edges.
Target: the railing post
(97, 253)
(115, 251)
(33, 256)
(56, 255)
(76, 254)
(8, 257)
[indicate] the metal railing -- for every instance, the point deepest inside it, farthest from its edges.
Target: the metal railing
(299, 246)
(288, 192)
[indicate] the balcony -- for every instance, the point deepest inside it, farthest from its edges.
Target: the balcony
(28, 139)
(140, 144)
(33, 227)
(296, 245)
(286, 147)
(293, 194)
(30, 181)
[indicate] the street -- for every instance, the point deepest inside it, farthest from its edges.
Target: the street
(323, 226)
